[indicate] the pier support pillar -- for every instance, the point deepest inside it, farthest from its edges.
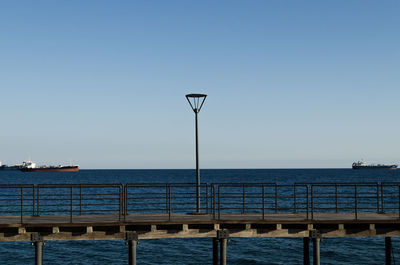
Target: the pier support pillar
(38, 242)
(316, 256)
(306, 250)
(132, 241)
(215, 251)
(388, 250)
(316, 237)
(223, 237)
(223, 243)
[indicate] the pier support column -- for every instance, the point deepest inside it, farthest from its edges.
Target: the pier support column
(38, 242)
(223, 237)
(316, 237)
(306, 250)
(317, 260)
(388, 250)
(215, 251)
(132, 240)
(223, 243)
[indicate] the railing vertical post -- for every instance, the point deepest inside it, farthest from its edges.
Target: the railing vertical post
(33, 200)
(295, 199)
(307, 200)
(166, 198)
(377, 197)
(276, 198)
(207, 198)
(38, 201)
(121, 202)
(213, 201)
(22, 203)
(169, 202)
(263, 202)
(336, 197)
(219, 203)
(382, 200)
(355, 201)
(80, 199)
(71, 191)
(312, 202)
(398, 186)
(125, 201)
(244, 199)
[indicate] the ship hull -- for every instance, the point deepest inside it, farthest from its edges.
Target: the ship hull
(52, 169)
(9, 168)
(376, 167)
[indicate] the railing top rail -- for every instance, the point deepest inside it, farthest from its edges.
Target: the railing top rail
(162, 184)
(204, 183)
(97, 185)
(336, 183)
(257, 185)
(16, 185)
(345, 185)
(242, 183)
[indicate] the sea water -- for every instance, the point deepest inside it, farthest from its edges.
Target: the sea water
(199, 251)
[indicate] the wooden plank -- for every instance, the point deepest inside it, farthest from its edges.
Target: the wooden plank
(148, 226)
(55, 220)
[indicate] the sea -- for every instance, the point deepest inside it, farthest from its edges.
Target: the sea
(240, 251)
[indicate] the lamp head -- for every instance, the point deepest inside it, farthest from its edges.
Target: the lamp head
(196, 101)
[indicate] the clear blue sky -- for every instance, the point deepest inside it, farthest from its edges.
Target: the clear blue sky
(290, 83)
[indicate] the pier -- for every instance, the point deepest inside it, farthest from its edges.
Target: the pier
(140, 211)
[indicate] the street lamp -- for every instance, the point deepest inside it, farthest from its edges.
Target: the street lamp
(196, 101)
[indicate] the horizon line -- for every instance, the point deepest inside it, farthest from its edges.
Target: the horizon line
(212, 168)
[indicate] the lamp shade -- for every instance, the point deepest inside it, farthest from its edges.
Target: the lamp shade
(196, 101)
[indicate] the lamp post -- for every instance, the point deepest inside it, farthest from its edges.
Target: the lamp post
(196, 101)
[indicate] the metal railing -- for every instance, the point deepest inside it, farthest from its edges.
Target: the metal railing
(166, 198)
(390, 197)
(79, 199)
(17, 200)
(307, 200)
(345, 198)
(259, 198)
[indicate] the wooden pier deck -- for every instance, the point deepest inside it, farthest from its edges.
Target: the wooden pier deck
(152, 226)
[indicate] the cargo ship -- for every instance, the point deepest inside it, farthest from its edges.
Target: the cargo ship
(5, 167)
(31, 167)
(363, 165)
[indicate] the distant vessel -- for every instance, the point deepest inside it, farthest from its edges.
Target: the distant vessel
(30, 166)
(5, 167)
(363, 165)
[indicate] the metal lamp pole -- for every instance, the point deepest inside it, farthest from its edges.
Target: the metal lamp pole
(196, 101)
